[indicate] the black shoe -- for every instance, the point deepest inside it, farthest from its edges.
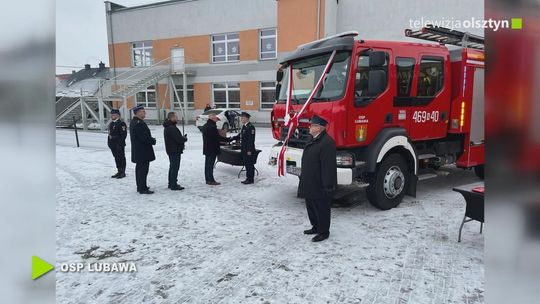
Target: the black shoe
(116, 175)
(247, 182)
(320, 237)
(310, 231)
(177, 187)
(146, 192)
(121, 175)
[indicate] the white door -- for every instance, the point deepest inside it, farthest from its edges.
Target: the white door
(177, 60)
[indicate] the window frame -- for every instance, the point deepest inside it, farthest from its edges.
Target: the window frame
(431, 58)
(226, 41)
(146, 62)
(179, 88)
(261, 37)
(412, 81)
(145, 102)
(226, 89)
(261, 89)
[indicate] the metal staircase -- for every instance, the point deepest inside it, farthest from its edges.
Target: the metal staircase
(140, 85)
(135, 80)
(118, 88)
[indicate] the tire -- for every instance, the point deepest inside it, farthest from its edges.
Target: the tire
(479, 171)
(387, 185)
(225, 127)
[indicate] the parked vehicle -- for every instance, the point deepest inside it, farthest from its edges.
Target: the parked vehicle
(395, 108)
(229, 119)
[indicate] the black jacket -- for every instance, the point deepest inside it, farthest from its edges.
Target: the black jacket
(247, 138)
(318, 178)
(211, 138)
(141, 142)
(117, 134)
(174, 140)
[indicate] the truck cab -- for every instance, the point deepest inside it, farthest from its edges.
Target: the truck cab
(391, 106)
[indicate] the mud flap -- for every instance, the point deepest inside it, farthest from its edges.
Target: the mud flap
(411, 187)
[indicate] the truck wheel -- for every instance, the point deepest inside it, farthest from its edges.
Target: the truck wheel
(387, 186)
(479, 171)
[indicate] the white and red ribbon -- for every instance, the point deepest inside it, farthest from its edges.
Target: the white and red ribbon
(292, 122)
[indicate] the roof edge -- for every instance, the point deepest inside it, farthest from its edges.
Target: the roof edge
(121, 8)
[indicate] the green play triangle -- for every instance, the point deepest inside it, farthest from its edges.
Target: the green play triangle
(40, 267)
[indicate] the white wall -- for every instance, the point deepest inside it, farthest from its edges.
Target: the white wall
(387, 19)
(330, 16)
(191, 18)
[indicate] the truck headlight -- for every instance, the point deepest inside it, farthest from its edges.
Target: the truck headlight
(345, 160)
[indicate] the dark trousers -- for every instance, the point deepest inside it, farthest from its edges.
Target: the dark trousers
(141, 172)
(119, 156)
(319, 214)
(249, 163)
(174, 166)
(209, 167)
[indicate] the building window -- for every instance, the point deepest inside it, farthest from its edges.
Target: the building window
(180, 90)
(147, 98)
(431, 77)
(142, 53)
(267, 44)
(225, 47)
(226, 95)
(268, 94)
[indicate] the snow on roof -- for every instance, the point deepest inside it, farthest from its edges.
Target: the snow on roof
(85, 82)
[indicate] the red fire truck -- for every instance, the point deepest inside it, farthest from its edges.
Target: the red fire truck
(395, 109)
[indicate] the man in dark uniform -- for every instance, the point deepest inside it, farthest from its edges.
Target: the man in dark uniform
(318, 178)
(174, 145)
(211, 149)
(142, 152)
(247, 143)
(117, 142)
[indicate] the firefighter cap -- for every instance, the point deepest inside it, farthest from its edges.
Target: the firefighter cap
(245, 114)
(115, 111)
(137, 108)
(317, 120)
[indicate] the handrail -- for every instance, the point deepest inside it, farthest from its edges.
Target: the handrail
(121, 86)
(143, 70)
(68, 109)
(187, 60)
(125, 87)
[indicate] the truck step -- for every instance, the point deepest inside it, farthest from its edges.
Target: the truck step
(426, 156)
(427, 176)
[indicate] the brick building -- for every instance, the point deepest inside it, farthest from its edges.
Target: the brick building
(226, 52)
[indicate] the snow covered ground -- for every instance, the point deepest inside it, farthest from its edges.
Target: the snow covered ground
(239, 243)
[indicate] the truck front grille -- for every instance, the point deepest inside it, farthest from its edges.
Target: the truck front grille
(300, 137)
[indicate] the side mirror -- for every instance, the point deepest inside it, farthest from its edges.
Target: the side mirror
(377, 59)
(279, 75)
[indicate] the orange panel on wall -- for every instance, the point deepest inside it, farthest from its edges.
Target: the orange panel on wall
(249, 45)
(202, 94)
(249, 91)
(122, 52)
(164, 100)
(196, 48)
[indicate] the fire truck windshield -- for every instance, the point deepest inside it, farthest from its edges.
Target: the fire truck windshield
(306, 73)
